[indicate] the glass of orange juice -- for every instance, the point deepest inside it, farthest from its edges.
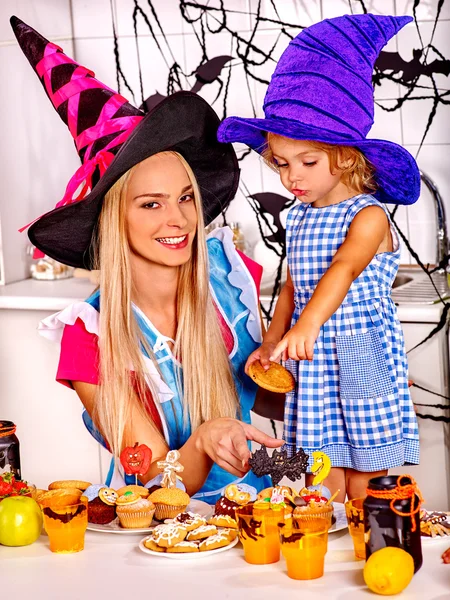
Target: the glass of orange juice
(258, 531)
(355, 520)
(304, 540)
(66, 525)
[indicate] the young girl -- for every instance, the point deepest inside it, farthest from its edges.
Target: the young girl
(157, 353)
(335, 322)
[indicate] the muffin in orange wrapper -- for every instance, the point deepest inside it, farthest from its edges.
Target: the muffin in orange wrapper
(133, 511)
(169, 502)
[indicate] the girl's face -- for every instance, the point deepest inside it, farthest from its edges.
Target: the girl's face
(161, 215)
(305, 172)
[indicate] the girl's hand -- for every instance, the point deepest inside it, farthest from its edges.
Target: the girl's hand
(262, 354)
(298, 343)
(224, 440)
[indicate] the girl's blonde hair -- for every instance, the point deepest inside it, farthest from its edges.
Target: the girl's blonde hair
(357, 172)
(206, 384)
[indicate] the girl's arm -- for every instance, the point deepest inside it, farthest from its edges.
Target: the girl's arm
(365, 236)
(223, 441)
(279, 325)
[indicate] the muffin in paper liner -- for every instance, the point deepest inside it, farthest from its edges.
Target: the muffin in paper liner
(135, 514)
(138, 519)
(169, 502)
(165, 511)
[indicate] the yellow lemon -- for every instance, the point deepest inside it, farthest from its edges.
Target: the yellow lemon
(388, 571)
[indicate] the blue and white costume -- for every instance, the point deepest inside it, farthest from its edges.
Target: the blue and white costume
(235, 296)
(352, 400)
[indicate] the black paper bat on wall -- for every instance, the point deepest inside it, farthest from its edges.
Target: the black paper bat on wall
(206, 73)
(273, 204)
(411, 70)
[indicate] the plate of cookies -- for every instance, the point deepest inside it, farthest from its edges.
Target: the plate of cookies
(434, 525)
(188, 536)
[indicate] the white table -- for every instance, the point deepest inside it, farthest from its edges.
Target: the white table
(112, 567)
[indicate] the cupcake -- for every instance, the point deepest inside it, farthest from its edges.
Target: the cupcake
(169, 502)
(101, 504)
(134, 511)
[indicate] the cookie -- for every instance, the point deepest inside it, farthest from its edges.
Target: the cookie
(275, 379)
(219, 540)
(230, 533)
(201, 533)
(168, 535)
(223, 521)
(188, 520)
(137, 489)
(69, 483)
(184, 547)
(152, 545)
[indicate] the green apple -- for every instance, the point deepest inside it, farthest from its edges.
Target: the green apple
(20, 521)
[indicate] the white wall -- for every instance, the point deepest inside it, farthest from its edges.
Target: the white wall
(37, 156)
(36, 153)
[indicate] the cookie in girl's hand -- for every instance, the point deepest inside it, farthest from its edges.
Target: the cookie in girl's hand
(276, 379)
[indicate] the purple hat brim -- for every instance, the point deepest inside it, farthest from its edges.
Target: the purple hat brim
(396, 172)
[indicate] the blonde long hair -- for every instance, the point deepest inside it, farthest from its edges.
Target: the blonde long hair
(207, 385)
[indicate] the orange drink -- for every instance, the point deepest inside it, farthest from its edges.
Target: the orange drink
(66, 526)
(355, 519)
(258, 532)
(304, 539)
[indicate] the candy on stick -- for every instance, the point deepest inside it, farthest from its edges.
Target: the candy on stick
(321, 468)
(171, 467)
(278, 465)
(136, 459)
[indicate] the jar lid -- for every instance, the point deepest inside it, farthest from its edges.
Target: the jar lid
(387, 482)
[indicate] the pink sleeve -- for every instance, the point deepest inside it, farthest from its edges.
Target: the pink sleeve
(255, 269)
(78, 360)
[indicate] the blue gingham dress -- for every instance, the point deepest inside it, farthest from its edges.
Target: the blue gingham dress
(352, 400)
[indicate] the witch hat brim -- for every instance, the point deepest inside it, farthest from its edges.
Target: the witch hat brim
(184, 123)
(396, 171)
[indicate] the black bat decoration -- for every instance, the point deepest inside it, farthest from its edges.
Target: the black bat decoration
(273, 204)
(413, 69)
(210, 71)
(278, 465)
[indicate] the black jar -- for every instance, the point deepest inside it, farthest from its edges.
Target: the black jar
(383, 527)
(9, 449)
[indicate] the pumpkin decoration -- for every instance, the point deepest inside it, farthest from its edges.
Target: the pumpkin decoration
(136, 459)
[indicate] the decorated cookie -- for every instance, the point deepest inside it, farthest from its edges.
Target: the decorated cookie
(184, 547)
(219, 540)
(236, 493)
(152, 545)
(223, 521)
(201, 533)
(189, 520)
(108, 496)
(169, 535)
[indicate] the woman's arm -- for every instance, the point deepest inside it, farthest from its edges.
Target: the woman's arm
(364, 237)
(223, 441)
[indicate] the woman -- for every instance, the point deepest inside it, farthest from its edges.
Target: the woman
(169, 371)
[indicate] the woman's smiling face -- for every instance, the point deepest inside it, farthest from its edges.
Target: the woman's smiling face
(161, 214)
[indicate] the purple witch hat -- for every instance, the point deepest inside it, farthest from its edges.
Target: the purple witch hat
(322, 91)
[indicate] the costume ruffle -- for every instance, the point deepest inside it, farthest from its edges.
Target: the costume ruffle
(52, 328)
(240, 278)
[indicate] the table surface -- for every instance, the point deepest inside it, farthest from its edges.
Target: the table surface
(113, 567)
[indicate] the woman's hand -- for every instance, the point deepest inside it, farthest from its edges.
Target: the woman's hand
(262, 354)
(224, 440)
(298, 343)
